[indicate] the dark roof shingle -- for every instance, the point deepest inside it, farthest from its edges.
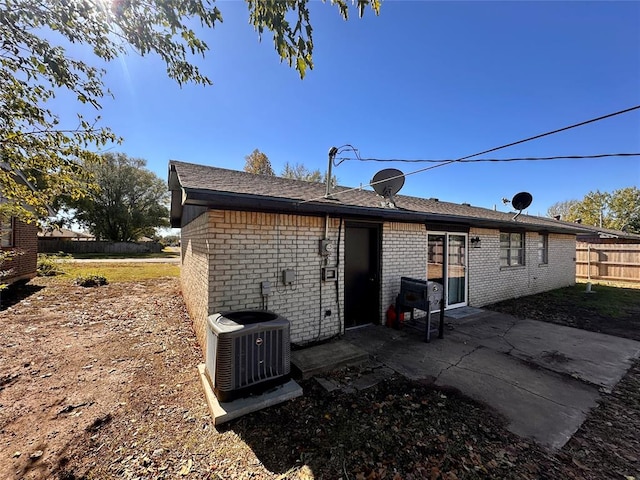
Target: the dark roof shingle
(205, 185)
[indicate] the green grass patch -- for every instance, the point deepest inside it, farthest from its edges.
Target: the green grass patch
(609, 309)
(608, 301)
(118, 272)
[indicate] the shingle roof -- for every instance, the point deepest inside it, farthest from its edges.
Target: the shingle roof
(222, 188)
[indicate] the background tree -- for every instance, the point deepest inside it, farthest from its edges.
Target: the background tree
(300, 172)
(624, 209)
(565, 209)
(257, 162)
(619, 210)
(35, 67)
(593, 209)
(127, 202)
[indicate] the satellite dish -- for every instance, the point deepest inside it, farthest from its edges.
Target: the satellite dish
(520, 201)
(387, 183)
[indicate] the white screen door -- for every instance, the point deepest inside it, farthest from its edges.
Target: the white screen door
(447, 265)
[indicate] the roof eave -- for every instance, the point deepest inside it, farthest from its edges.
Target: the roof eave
(235, 201)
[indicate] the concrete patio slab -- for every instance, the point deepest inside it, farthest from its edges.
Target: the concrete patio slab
(326, 357)
(543, 378)
(591, 357)
(540, 405)
(226, 411)
(463, 312)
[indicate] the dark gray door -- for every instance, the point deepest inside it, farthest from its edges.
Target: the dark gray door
(361, 275)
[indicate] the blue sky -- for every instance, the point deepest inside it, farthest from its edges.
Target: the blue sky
(422, 80)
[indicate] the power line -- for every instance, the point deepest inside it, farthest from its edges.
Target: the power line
(476, 160)
(535, 137)
(447, 162)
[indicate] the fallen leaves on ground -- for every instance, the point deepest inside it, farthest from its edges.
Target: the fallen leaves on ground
(139, 412)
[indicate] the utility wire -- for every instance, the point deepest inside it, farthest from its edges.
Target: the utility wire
(535, 137)
(475, 160)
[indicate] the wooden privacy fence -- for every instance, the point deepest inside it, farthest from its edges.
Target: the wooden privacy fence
(602, 261)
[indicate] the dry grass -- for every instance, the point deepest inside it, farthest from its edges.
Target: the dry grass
(118, 272)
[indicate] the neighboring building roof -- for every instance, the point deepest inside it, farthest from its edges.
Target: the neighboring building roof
(591, 232)
(65, 233)
(212, 187)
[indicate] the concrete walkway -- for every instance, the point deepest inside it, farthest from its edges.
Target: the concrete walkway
(543, 378)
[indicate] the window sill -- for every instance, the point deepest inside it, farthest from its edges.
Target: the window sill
(514, 267)
(545, 265)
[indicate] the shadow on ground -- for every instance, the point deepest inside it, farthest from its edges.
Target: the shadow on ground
(16, 293)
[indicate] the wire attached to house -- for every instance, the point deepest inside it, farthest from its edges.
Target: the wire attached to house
(447, 162)
(347, 147)
(338, 275)
(478, 160)
(278, 271)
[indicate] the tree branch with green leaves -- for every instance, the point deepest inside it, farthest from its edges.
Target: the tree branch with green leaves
(35, 67)
(618, 210)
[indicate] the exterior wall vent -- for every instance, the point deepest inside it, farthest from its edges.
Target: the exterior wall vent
(248, 351)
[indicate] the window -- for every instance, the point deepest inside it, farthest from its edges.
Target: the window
(543, 248)
(6, 232)
(511, 249)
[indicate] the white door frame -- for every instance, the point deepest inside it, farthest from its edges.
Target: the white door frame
(445, 266)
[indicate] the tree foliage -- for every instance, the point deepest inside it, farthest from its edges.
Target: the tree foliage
(300, 172)
(624, 208)
(563, 209)
(127, 202)
(593, 209)
(294, 40)
(619, 210)
(35, 67)
(257, 162)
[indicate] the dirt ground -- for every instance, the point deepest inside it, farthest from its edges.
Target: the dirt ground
(102, 383)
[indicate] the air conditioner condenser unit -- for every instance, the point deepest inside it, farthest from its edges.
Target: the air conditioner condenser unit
(248, 351)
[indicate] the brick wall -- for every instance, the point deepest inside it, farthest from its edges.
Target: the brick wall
(404, 254)
(489, 283)
(194, 274)
(247, 248)
(25, 238)
(226, 255)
